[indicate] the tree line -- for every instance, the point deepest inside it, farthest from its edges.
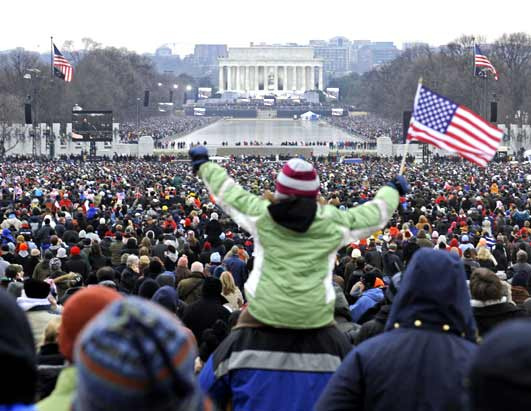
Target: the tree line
(104, 79)
(114, 78)
(389, 90)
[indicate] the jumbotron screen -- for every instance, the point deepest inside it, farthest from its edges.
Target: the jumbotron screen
(92, 125)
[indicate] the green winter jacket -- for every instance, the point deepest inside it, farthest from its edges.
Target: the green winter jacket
(291, 281)
(63, 394)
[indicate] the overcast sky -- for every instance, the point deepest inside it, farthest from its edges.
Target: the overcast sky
(147, 24)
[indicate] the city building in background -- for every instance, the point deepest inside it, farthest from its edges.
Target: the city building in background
(374, 54)
(206, 57)
(335, 54)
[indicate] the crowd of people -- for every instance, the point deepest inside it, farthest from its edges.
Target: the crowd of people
(368, 127)
(174, 285)
(161, 128)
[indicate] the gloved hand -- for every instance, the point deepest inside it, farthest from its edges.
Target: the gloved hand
(198, 155)
(400, 184)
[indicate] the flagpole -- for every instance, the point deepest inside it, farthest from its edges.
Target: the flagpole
(486, 96)
(406, 147)
(51, 57)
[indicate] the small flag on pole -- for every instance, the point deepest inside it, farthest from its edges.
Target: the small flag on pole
(61, 66)
(439, 121)
(482, 64)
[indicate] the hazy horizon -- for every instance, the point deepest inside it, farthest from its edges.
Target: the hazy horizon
(236, 23)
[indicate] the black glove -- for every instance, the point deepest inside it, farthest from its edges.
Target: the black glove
(198, 155)
(399, 183)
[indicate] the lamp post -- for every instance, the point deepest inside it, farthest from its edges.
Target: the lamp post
(188, 89)
(32, 75)
(137, 112)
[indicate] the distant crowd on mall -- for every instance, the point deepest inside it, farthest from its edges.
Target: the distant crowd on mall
(185, 285)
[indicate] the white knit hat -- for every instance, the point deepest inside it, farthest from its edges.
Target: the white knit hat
(297, 178)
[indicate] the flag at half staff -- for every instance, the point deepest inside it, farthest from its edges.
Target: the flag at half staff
(439, 121)
(61, 66)
(482, 64)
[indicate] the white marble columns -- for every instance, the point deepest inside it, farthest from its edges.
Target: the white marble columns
(286, 77)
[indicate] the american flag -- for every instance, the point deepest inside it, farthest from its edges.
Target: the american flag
(61, 66)
(482, 64)
(439, 121)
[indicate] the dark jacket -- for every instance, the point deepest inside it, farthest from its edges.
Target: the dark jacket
(77, 264)
(50, 363)
(488, 317)
(181, 273)
(502, 366)
(189, 289)
(213, 231)
(26, 263)
(116, 252)
(99, 261)
(487, 264)
(420, 362)
(203, 314)
(502, 257)
(470, 265)
(238, 270)
(522, 273)
(128, 279)
(342, 316)
(374, 258)
(71, 237)
(392, 263)
(519, 245)
(373, 327)
(41, 270)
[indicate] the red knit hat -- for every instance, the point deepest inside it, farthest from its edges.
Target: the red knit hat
(75, 250)
(79, 309)
(297, 178)
(23, 247)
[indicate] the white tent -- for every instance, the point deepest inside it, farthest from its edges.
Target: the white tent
(309, 115)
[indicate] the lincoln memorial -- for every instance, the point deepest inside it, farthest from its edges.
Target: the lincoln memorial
(261, 70)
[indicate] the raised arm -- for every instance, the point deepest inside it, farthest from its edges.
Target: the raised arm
(243, 207)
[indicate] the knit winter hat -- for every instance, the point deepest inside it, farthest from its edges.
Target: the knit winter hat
(167, 297)
(148, 288)
(215, 258)
(166, 278)
(55, 264)
(75, 250)
(61, 253)
(297, 178)
(78, 311)
(136, 356)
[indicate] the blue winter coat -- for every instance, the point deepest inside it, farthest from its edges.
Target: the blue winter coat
(238, 270)
(420, 362)
(273, 369)
(367, 300)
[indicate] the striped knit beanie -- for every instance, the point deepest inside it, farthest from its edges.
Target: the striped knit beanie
(136, 356)
(297, 178)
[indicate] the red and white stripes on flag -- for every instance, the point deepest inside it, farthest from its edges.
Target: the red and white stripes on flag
(66, 71)
(482, 64)
(439, 121)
